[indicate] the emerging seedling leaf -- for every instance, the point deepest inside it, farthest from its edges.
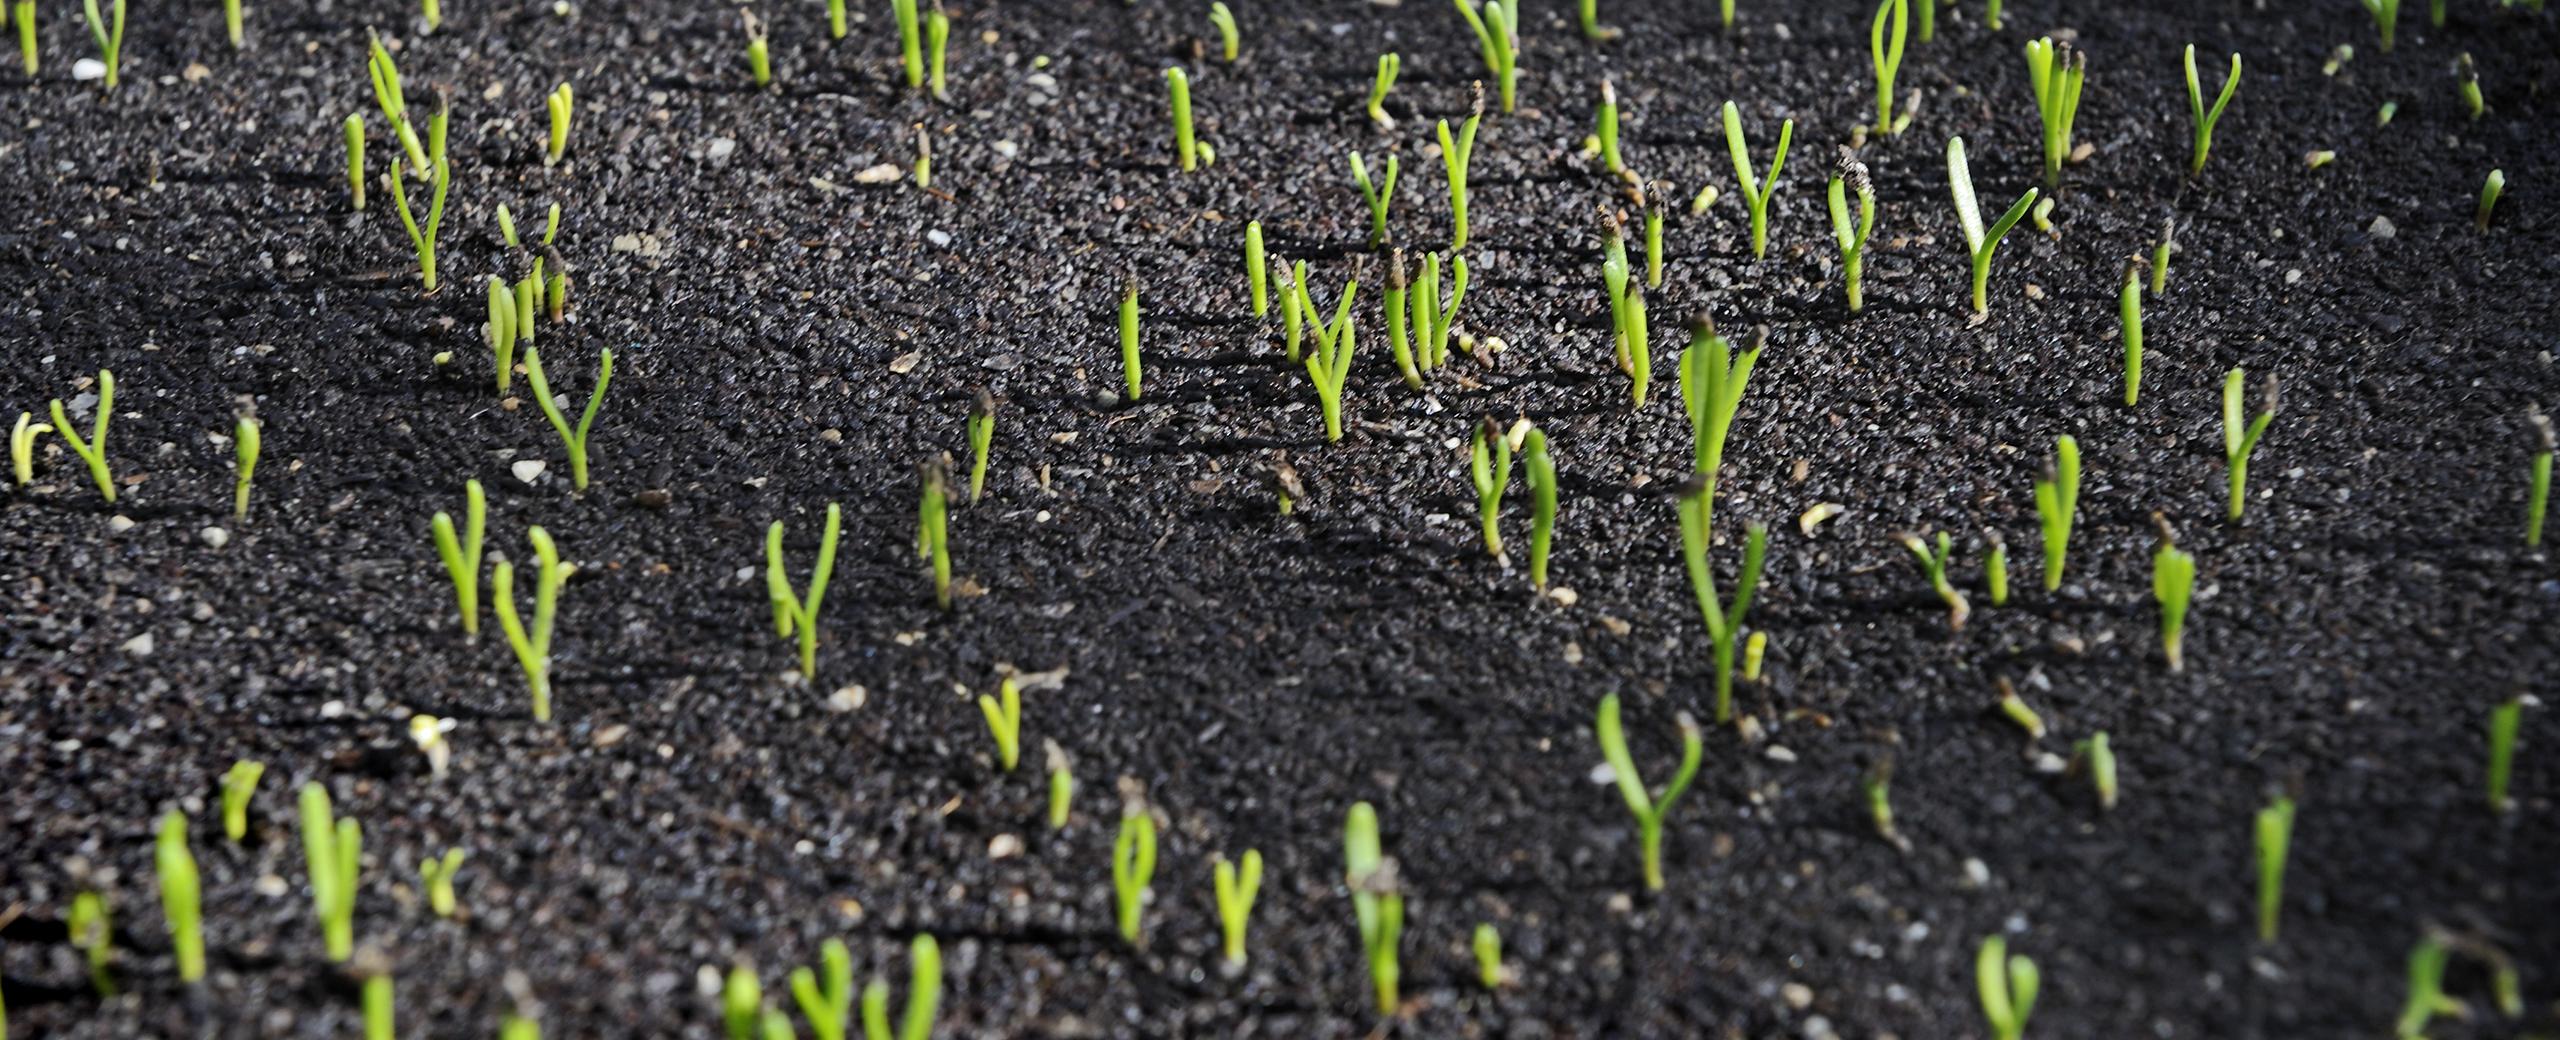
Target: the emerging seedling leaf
(1649, 809)
(1979, 244)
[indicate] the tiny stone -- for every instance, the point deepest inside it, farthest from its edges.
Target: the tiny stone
(1976, 874)
(1004, 846)
(215, 537)
(1798, 995)
(1779, 753)
(528, 470)
(847, 698)
(721, 148)
(139, 646)
(654, 498)
(271, 886)
(2382, 228)
(119, 524)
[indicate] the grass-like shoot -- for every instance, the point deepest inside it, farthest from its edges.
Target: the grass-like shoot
(2019, 713)
(1257, 268)
(1847, 179)
(560, 102)
(2386, 19)
(2426, 997)
(1979, 244)
(22, 448)
(2057, 505)
(1133, 864)
(2504, 720)
(533, 646)
(2173, 583)
(1723, 621)
(1377, 900)
(245, 446)
(1489, 467)
(238, 784)
(505, 326)
(1995, 567)
(2275, 838)
(1498, 38)
(933, 527)
(982, 438)
(1656, 203)
(1378, 193)
(795, 614)
(2238, 442)
(1540, 467)
(1062, 783)
(760, 57)
(1876, 789)
(2100, 760)
(2538, 477)
(1293, 331)
(1631, 328)
(385, 76)
(2056, 72)
(93, 448)
(92, 931)
(331, 848)
(576, 440)
(26, 19)
(1933, 564)
(1605, 128)
(2160, 255)
(1389, 64)
(375, 995)
(461, 554)
(181, 895)
(742, 1002)
(2490, 189)
(1329, 364)
(1186, 147)
(354, 130)
(2206, 117)
(1487, 945)
(1004, 722)
(2129, 319)
(1588, 13)
(1434, 317)
(1650, 809)
(910, 40)
(436, 873)
(2466, 78)
(1236, 888)
(2008, 987)
(924, 995)
(1756, 190)
(828, 1005)
(1455, 152)
(108, 32)
(1132, 365)
(422, 238)
(1225, 22)
(1884, 54)
(937, 45)
(1712, 379)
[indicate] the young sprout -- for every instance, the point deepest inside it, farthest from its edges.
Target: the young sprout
(2057, 504)
(1850, 178)
(2129, 319)
(759, 60)
(1541, 479)
(436, 873)
(829, 1009)
(576, 440)
(1432, 321)
(1649, 809)
(533, 647)
(1389, 64)
(1753, 649)
(1398, 343)
(1225, 22)
(2382, 116)
(428, 732)
(742, 1002)
(2467, 79)
(1133, 864)
(2160, 256)
(1605, 127)
(181, 897)
(22, 447)
(1712, 379)
(1489, 465)
(331, 848)
(1498, 37)
(1330, 362)
(937, 43)
(2426, 998)
(1257, 268)
(109, 34)
(2504, 720)
(1488, 949)
(1378, 194)
(2489, 191)
(2056, 72)
(1995, 568)
(2537, 493)
(933, 527)
(924, 157)
(462, 555)
(385, 75)
(1877, 789)
(910, 40)
(238, 785)
(93, 934)
(1185, 147)
(1884, 53)
(2237, 444)
(2101, 762)
(1285, 483)
(1724, 622)
(1627, 314)
(1236, 888)
(1755, 190)
(2275, 836)
(1933, 563)
(26, 19)
(2008, 987)
(1292, 319)
(355, 159)
(1377, 900)
(1062, 783)
(835, 19)
(1455, 153)
(982, 437)
(559, 102)
(1979, 245)
(2016, 709)
(1588, 11)
(2204, 117)
(924, 995)
(423, 239)
(1132, 366)
(92, 449)
(2173, 581)
(2386, 20)
(244, 460)
(1004, 722)
(502, 330)
(1656, 200)
(793, 613)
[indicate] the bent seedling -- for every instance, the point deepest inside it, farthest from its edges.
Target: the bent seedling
(795, 613)
(1236, 888)
(2057, 505)
(2007, 985)
(92, 449)
(576, 440)
(2238, 441)
(1756, 190)
(1979, 244)
(1650, 809)
(533, 646)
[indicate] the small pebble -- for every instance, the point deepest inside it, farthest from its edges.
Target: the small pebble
(119, 524)
(215, 537)
(139, 646)
(528, 470)
(1976, 874)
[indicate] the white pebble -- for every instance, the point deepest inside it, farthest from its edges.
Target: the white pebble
(529, 470)
(215, 537)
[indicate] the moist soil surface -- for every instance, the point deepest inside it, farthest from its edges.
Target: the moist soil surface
(790, 335)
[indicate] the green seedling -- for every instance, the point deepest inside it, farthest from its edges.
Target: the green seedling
(2101, 763)
(1850, 178)
(742, 1002)
(1724, 622)
(2275, 837)
(462, 555)
(2504, 720)
(924, 996)
(108, 31)
(1978, 244)
(1725, 14)
(2160, 255)
(795, 614)
(1186, 148)
(436, 873)
(1656, 203)
(355, 160)
(374, 968)
(1329, 364)
(1498, 37)
(92, 449)
(1756, 190)
(422, 239)
(1236, 887)
(181, 896)
(1712, 379)
(1995, 568)
(1377, 900)
(1455, 153)
(828, 1007)
(1257, 268)
(1378, 194)
(1062, 784)
(1876, 789)
(533, 647)
(1489, 465)
(2129, 319)
(1225, 22)
(575, 440)
(518, 1027)
(1133, 864)
(244, 459)
(93, 934)
(910, 40)
(1588, 12)
(2318, 158)
(1399, 344)
(2537, 500)
(1605, 127)
(22, 447)
(431, 12)
(759, 57)
(1991, 16)
(937, 42)
(1753, 649)
(2008, 988)
(385, 75)
(1132, 364)
(982, 437)
(1004, 722)
(2042, 217)
(2466, 78)
(1933, 564)
(2019, 713)
(2386, 20)
(26, 19)
(502, 331)
(2173, 581)
(2237, 442)
(1884, 53)
(1541, 478)
(836, 18)
(560, 102)
(2490, 189)
(2204, 117)
(2057, 505)
(1650, 809)
(1432, 321)
(523, 300)
(238, 785)
(2382, 116)
(1285, 483)
(924, 158)
(933, 527)
(2056, 72)
(1632, 327)
(2426, 997)
(1292, 319)
(332, 848)
(1389, 64)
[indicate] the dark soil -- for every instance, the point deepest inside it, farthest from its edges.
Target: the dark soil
(691, 806)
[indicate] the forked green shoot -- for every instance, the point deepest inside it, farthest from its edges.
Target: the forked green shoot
(422, 238)
(2537, 501)
(332, 846)
(239, 784)
(1455, 153)
(2239, 439)
(1378, 193)
(982, 437)
(576, 440)
(2007, 985)
(1186, 147)
(1933, 565)
(1756, 190)
(2275, 839)
(1885, 39)
(1847, 179)
(1224, 21)
(532, 645)
(22, 448)
(1712, 380)
(108, 32)
(826, 1001)
(461, 554)
(1377, 900)
(2057, 73)
(2504, 721)
(245, 445)
(1236, 888)
(1435, 314)
(435, 873)
(2205, 118)
(1979, 244)
(1133, 865)
(1329, 363)
(1004, 721)
(2426, 997)
(1723, 621)
(1389, 64)
(1650, 808)
(181, 896)
(92, 449)
(2057, 492)
(924, 995)
(560, 103)
(1489, 467)
(1132, 364)
(2173, 582)
(796, 614)
(1498, 38)
(1541, 478)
